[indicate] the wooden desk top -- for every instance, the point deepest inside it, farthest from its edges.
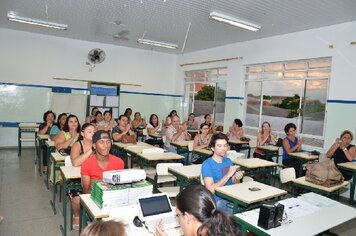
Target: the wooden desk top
(28, 125)
(138, 149)
(181, 143)
(238, 142)
(71, 172)
(348, 165)
(57, 157)
(270, 148)
(204, 152)
(92, 208)
(189, 172)
(42, 136)
(160, 156)
(123, 145)
(50, 143)
(303, 155)
(302, 181)
(253, 163)
(242, 193)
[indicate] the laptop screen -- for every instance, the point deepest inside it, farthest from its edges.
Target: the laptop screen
(155, 205)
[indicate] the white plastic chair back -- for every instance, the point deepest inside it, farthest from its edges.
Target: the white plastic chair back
(152, 150)
(68, 161)
(287, 174)
(162, 168)
(144, 132)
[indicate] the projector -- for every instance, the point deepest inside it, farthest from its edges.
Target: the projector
(124, 176)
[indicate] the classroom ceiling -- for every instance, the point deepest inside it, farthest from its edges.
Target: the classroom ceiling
(168, 20)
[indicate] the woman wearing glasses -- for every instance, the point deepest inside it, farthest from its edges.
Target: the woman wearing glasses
(197, 214)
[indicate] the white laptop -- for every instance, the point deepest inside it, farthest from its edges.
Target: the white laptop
(155, 207)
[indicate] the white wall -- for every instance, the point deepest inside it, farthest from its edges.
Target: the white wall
(300, 45)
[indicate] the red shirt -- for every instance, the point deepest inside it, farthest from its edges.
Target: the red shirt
(91, 168)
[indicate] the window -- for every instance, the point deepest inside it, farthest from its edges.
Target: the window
(284, 92)
(205, 92)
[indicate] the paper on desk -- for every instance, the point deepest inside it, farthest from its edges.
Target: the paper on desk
(297, 207)
(317, 199)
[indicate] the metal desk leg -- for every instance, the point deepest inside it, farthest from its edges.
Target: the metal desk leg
(53, 201)
(352, 190)
(19, 142)
(64, 227)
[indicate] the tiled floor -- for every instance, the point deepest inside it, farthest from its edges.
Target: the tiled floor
(24, 200)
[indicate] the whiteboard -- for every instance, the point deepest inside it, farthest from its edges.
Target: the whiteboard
(70, 103)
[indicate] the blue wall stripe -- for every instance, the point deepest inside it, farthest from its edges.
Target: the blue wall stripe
(13, 124)
(153, 94)
(236, 98)
(341, 101)
(43, 86)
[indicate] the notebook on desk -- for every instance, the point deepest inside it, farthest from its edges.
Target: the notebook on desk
(156, 207)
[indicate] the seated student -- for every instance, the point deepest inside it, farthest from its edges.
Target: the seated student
(128, 113)
(105, 228)
(291, 144)
(236, 132)
(219, 170)
(70, 133)
(175, 133)
(168, 119)
(92, 116)
(80, 151)
(101, 161)
(264, 137)
(201, 141)
(99, 120)
(154, 126)
(123, 128)
(58, 127)
(138, 121)
(108, 123)
(207, 120)
(198, 215)
(191, 123)
(44, 128)
(343, 151)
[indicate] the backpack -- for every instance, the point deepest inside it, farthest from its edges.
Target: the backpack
(324, 173)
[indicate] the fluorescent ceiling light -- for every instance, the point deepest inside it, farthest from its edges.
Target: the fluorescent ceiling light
(234, 21)
(13, 17)
(157, 43)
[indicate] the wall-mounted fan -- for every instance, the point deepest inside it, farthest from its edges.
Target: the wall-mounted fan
(96, 56)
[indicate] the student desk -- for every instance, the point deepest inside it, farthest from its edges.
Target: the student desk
(186, 175)
(193, 133)
(39, 145)
(243, 198)
(351, 167)
(50, 149)
(26, 128)
(302, 183)
(240, 145)
(302, 157)
(325, 218)
(270, 151)
(255, 165)
(157, 138)
(126, 214)
(71, 181)
(150, 159)
(133, 150)
(58, 160)
(203, 153)
(121, 147)
(182, 146)
(88, 208)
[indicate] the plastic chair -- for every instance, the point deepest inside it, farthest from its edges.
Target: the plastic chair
(163, 176)
(287, 175)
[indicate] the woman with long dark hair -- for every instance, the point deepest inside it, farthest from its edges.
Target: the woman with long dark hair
(198, 216)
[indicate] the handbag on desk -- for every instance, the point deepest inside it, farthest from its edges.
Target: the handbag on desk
(324, 173)
(128, 139)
